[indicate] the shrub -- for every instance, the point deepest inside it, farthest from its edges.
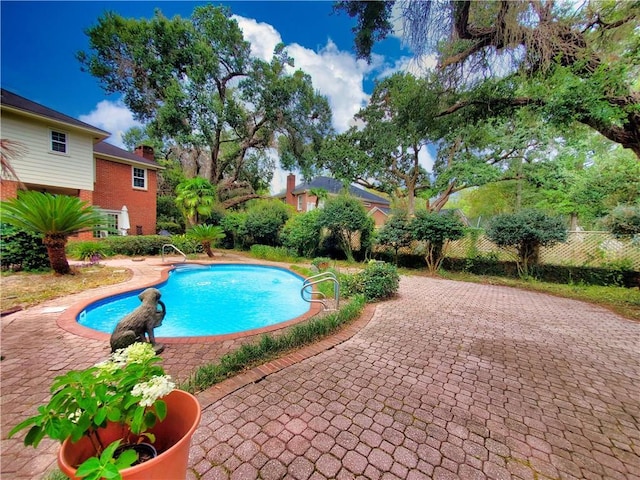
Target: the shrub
(527, 231)
(273, 254)
(171, 227)
(347, 219)
(623, 221)
(136, 245)
(88, 250)
(21, 250)
(321, 263)
(396, 233)
(186, 244)
(436, 230)
(379, 280)
(264, 221)
(302, 233)
(233, 225)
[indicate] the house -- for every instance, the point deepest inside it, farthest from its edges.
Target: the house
(303, 199)
(59, 154)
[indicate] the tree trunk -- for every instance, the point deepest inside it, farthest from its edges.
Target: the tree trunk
(207, 249)
(57, 256)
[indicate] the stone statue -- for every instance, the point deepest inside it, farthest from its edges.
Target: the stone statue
(140, 322)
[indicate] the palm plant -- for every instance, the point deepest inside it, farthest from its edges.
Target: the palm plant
(196, 197)
(207, 235)
(55, 217)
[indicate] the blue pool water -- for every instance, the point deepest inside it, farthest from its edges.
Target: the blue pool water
(211, 300)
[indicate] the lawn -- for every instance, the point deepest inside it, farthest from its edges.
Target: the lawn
(27, 289)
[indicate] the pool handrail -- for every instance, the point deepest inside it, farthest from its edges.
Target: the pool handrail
(184, 255)
(320, 278)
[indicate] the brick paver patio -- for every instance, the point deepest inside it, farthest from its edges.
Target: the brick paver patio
(449, 380)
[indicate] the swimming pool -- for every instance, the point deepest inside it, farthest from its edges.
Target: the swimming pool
(204, 300)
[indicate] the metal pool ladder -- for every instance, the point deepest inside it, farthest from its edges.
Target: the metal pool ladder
(315, 280)
(184, 256)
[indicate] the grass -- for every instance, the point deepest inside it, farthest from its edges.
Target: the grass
(623, 301)
(22, 290)
(269, 347)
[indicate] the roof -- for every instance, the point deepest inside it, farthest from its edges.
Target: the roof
(16, 102)
(334, 186)
(108, 150)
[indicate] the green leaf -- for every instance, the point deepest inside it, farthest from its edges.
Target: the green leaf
(161, 409)
(89, 466)
(126, 459)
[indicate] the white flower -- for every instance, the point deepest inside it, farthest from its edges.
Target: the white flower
(75, 416)
(150, 391)
(138, 352)
(108, 366)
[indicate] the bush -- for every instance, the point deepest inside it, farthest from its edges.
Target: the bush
(273, 254)
(186, 244)
(20, 250)
(136, 245)
(171, 227)
(435, 229)
(347, 219)
(302, 233)
(235, 232)
(379, 280)
(264, 221)
(91, 250)
(527, 231)
(624, 220)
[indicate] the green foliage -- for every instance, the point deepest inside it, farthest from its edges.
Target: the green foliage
(233, 225)
(48, 214)
(321, 263)
(125, 389)
(269, 347)
(196, 84)
(135, 245)
(302, 233)
(435, 230)
(345, 217)
(21, 250)
(171, 227)
(167, 212)
(196, 198)
(207, 235)
(378, 281)
(264, 221)
(88, 250)
(396, 233)
(273, 254)
(624, 220)
(185, 243)
(527, 231)
(55, 217)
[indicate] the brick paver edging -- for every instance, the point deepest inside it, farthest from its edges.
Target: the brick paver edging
(222, 389)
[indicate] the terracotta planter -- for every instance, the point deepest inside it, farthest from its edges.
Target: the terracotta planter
(173, 439)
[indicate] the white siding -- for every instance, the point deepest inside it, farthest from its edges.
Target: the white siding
(39, 165)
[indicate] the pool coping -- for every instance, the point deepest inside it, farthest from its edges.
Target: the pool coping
(68, 319)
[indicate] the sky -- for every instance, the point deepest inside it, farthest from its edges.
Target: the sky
(39, 41)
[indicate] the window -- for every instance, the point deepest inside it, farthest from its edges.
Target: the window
(58, 142)
(139, 178)
(299, 203)
(112, 225)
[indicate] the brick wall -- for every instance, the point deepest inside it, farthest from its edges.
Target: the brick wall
(8, 189)
(114, 188)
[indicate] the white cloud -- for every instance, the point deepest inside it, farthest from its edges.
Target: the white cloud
(114, 117)
(336, 74)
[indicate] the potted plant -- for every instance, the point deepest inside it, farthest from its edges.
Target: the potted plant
(104, 414)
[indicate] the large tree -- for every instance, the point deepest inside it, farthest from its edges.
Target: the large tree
(196, 84)
(573, 63)
(385, 152)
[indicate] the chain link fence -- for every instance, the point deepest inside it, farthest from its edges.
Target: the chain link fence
(582, 249)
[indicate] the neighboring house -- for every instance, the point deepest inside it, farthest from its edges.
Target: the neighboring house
(301, 197)
(66, 156)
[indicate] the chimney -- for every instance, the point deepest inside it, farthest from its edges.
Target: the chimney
(291, 185)
(145, 152)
